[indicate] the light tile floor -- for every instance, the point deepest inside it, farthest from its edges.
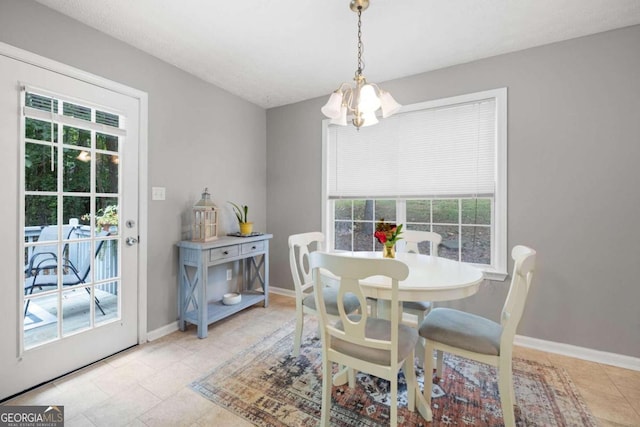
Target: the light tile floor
(148, 385)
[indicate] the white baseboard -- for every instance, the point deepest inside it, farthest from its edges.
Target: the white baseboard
(172, 327)
(162, 331)
(613, 359)
(282, 291)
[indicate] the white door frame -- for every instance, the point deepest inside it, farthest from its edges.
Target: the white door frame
(69, 71)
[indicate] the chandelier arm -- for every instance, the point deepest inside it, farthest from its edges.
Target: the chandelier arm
(340, 88)
(348, 99)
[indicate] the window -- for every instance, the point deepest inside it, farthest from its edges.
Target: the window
(437, 166)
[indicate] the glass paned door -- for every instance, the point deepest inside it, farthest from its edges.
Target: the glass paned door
(70, 294)
(72, 240)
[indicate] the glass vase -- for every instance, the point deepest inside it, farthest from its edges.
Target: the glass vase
(388, 251)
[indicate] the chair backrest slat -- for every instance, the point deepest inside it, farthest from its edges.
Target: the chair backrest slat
(412, 238)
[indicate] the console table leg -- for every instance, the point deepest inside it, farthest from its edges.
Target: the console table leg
(202, 300)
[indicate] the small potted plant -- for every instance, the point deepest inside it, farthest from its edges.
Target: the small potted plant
(105, 218)
(241, 211)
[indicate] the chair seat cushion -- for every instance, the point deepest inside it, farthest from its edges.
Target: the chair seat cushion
(462, 330)
(378, 329)
(330, 296)
(416, 305)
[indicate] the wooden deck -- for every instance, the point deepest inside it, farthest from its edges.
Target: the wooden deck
(41, 322)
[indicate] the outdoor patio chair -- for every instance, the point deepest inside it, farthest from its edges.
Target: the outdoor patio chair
(45, 257)
(76, 270)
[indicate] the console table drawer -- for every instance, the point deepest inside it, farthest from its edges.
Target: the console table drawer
(247, 248)
(224, 252)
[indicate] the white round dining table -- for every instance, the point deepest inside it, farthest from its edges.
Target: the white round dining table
(431, 278)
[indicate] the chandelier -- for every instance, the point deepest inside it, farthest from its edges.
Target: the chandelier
(362, 101)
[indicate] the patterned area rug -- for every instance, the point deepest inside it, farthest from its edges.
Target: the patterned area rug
(268, 387)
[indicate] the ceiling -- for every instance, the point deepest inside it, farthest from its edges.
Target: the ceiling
(277, 52)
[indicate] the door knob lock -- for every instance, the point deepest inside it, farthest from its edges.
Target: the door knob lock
(131, 241)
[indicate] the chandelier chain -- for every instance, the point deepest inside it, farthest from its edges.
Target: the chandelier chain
(360, 66)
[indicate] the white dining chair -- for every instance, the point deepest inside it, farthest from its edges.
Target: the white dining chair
(363, 343)
(299, 247)
(477, 338)
(412, 240)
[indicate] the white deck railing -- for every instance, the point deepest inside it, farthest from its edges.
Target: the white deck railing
(105, 263)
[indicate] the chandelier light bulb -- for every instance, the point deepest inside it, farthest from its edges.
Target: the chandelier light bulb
(368, 101)
(388, 104)
(342, 118)
(369, 119)
(332, 108)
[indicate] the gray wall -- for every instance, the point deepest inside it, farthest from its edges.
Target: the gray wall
(192, 144)
(573, 156)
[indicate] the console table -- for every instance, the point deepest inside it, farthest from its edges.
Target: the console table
(195, 260)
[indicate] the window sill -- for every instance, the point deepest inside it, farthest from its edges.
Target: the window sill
(498, 276)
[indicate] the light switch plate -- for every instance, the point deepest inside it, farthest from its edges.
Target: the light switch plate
(157, 193)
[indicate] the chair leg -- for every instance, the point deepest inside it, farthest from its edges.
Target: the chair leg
(439, 364)
(325, 410)
(99, 306)
(421, 341)
(412, 383)
(26, 308)
(393, 403)
(505, 387)
(297, 337)
(97, 301)
(351, 374)
(428, 371)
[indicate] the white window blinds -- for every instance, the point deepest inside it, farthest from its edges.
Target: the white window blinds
(447, 151)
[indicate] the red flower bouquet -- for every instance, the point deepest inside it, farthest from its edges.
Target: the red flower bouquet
(387, 234)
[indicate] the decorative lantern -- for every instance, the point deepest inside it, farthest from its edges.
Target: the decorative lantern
(205, 219)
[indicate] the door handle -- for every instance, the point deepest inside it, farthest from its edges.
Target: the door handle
(130, 241)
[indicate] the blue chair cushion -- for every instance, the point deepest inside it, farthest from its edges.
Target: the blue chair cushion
(462, 330)
(330, 296)
(416, 305)
(377, 329)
